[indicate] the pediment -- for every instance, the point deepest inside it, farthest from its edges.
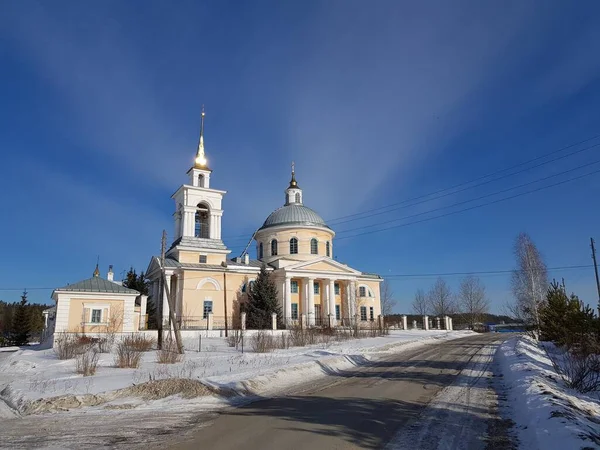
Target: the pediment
(323, 265)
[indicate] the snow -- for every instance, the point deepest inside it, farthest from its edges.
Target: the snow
(30, 374)
(547, 414)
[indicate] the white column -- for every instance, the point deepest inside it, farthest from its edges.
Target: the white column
(165, 306)
(311, 301)
(332, 301)
(352, 296)
(404, 323)
(143, 308)
(288, 301)
(426, 322)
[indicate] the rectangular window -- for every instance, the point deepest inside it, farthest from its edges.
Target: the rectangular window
(336, 288)
(207, 308)
(294, 287)
(363, 313)
(338, 314)
(371, 313)
(316, 288)
(294, 311)
(202, 259)
(362, 291)
(96, 316)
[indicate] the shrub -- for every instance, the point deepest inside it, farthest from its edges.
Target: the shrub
(104, 344)
(168, 354)
(127, 355)
(235, 338)
(139, 342)
(298, 337)
(68, 346)
(262, 342)
(86, 362)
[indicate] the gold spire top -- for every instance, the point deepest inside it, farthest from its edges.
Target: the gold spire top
(96, 271)
(200, 156)
(293, 183)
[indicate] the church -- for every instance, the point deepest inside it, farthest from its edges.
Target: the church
(294, 243)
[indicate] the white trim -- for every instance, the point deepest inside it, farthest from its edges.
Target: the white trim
(210, 280)
(368, 291)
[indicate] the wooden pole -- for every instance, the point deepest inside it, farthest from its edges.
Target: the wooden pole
(172, 319)
(596, 271)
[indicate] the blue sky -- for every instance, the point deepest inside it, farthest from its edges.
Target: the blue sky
(376, 102)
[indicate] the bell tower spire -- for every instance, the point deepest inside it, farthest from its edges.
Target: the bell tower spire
(200, 161)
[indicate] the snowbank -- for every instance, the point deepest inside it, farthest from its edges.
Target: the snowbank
(30, 375)
(547, 414)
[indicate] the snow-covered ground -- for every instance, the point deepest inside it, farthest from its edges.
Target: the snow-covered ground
(547, 414)
(28, 375)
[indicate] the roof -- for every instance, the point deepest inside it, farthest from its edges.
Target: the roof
(294, 214)
(97, 284)
(186, 241)
(370, 275)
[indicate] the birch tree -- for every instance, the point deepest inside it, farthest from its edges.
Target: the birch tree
(420, 304)
(472, 300)
(440, 299)
(387, 298)
(529, 282)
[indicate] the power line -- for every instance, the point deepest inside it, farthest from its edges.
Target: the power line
(245, 236)
(473, 199)
(453, 192)
(480, 272)
(470, 208)
(403, 276)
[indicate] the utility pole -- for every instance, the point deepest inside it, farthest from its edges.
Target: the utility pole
(159, 306)
(596, 271)
(167, 289)
(225, 299)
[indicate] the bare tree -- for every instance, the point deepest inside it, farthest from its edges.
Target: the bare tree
(440, 299)
(420, 304)
(529, 282)
(387, 298)
(472, 301)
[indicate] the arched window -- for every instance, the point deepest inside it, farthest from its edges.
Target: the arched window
(274, 247)
(293, 246)
(327, 249)
(260, 251)
(314, 247)
(202, 228)
(297, 197)
(201, 180)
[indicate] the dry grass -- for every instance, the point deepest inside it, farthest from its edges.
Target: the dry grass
(262, 342)
(140, 342)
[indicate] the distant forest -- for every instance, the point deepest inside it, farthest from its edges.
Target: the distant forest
(33, 314)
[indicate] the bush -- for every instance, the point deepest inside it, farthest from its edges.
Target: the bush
(168, 354)
(139, 342)
(86, 362)
(235, 338)
(105, 344)
(68, 346)
(262, 342)
(127, 355)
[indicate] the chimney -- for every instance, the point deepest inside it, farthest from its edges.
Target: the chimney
(246, 259)
(110, 275)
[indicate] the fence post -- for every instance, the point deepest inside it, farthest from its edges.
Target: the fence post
(414, 324)
(209, 324)
(426, 322)
(243, 320)
(438, 323)
(274, 321)
(200, 342)
(451, 326)
(404, 323)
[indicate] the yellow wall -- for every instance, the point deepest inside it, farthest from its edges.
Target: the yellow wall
(194, 257)
(114, 316)
(369, 301)
(303, 235)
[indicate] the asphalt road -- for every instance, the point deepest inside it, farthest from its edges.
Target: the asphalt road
(361, 408)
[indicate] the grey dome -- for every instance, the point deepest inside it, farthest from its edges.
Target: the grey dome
(294, 214)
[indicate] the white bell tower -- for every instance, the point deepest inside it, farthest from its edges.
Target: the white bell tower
(198, 210)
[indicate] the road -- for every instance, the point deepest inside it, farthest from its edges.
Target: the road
(437, 396)
(368, 407)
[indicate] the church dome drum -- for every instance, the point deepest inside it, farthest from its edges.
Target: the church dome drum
(294, 214)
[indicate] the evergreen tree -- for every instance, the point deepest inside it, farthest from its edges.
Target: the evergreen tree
(262, 301)
(21, 325)
(139, 283)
